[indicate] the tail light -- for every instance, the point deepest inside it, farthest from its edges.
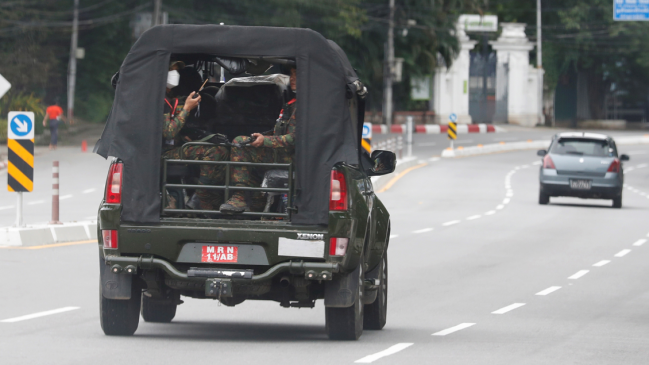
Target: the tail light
(338, 246)
(547, 163)
(110, 238)
(114, 184)
(615, 166)
(338, 195)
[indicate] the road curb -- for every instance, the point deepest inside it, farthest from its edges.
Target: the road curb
(437, 129)
(378, 182)
(48, 234)
(519, 146)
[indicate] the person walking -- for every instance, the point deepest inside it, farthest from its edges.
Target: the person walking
(55, 114)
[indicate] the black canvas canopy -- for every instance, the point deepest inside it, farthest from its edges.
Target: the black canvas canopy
(325, 133)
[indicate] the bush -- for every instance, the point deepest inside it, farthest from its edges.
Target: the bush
(3, 130)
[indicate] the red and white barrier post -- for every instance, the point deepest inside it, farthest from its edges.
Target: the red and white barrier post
(55, 193)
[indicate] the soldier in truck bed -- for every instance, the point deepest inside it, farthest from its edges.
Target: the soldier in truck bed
(278, 148)
(176, 112)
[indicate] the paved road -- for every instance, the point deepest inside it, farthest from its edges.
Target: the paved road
(471, 257)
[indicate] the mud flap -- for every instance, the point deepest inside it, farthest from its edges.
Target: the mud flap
(373, 276)
(340, 292)
(114, 286)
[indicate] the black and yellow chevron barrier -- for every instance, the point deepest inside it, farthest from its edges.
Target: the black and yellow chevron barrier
(452, 130)
(20, 170)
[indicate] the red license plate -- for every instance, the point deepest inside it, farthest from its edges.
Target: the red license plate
(219, 253)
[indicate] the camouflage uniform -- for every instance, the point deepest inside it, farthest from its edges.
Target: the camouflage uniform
(210, 174)
(278, 148)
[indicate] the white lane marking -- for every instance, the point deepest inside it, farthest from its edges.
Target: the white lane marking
(464, 141)
(509, 193)
(629, 169)
(434, 159)
(601, 263)
(450, 223)
(506, 139)
(490, 212)
(508, 308)
(65, 197)
(427, 144)
(394, 235)
(448, 331)
(536, 163)
(640, 242)
(642, 165)
(548, 290)
(506, 201)
(36, 202)
(88, 191)
(525, 166)
(7, 207)
(473, 217)
(622, 253)
(39, 314)
(390, 351)
(423, 230)
(500, 206)
(578, 274)
(647, 233)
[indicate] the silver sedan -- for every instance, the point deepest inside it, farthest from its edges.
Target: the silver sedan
(584, 165)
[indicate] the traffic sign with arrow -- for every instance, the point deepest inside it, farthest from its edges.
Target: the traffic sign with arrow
(4, 86)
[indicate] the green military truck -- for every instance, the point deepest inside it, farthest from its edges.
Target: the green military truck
(323, 233)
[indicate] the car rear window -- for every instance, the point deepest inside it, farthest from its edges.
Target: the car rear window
(583, 147)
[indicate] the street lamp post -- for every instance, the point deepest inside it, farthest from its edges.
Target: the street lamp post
(539, 63)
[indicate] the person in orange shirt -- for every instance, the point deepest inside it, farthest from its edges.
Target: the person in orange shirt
(55, 114)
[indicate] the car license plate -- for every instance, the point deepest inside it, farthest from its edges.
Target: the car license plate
(218, 254)
(580, 184)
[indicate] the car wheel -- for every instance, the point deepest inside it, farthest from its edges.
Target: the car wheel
(120, 317)
(347, 323)
(157, 310)
(617, 202)
(376, 313)
(543, 198)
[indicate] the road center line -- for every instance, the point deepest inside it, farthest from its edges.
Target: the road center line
(490, 212)
(88, 191)
(390, 351)
(39, 314)
(601, 263)
(7, 207)
(578, 274)
(423, 230)
(622, 253)
(640, 242)
(506, 201)
(394, 235)
(500, 206)
(548, 290)
(450, 223)
(508, 308)
(36, 202)
(448, 331)
(65, 197)
(474, 217)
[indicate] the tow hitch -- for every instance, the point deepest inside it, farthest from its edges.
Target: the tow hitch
(218, 288)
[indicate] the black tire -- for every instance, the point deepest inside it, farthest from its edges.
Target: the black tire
(617, 202)
(347, 323)
(543, 198)
(376, 313)
(157, 311)
(120, 317)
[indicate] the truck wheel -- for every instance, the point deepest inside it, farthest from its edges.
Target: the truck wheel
(347, 323)
(543, 198)
(120, 317)
(155, 311)
(377, 312)
(617, 202)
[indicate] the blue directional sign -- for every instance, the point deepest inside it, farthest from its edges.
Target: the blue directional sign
(631, 10)
(367, 130)
(21, 125)
(453, 117)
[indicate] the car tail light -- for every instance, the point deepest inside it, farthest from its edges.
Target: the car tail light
(615, 166)
(338, 196)
(338, 246)
(547, 163)
(110, 238)
(114, 184)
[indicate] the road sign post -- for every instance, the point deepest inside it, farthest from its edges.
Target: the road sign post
(366, 142)
(410, 126)
(20, 146)
(452, 129)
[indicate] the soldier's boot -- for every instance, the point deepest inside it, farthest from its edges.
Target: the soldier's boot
(257, 202)
(236, 204)
(205, 199)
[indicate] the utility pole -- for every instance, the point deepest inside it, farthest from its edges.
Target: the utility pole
(157, 7)
(539, 63)
(389, 69)
(72, 67)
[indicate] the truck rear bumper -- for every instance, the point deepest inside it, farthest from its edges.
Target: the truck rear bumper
(310, 270)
